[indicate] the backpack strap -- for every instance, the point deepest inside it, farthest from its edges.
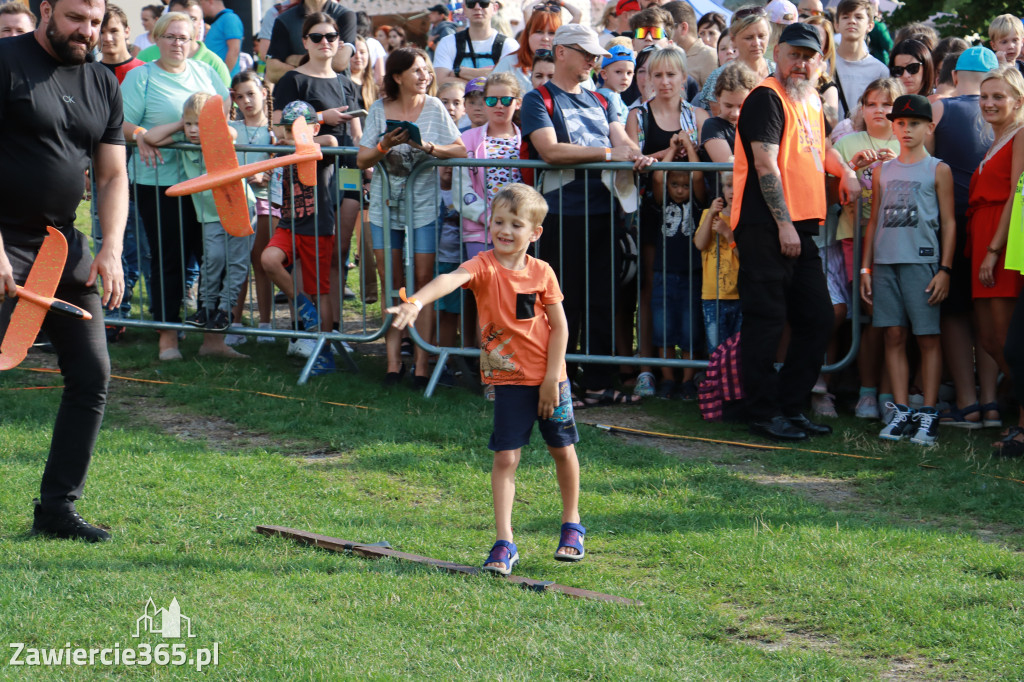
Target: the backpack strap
(464, 47)
(496, 47)
(461, 41)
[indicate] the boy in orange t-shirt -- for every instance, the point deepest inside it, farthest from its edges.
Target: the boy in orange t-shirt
(524, 335)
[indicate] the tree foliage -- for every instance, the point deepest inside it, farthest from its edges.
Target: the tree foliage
(962, 18)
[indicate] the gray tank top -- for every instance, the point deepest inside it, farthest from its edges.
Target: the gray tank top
(908, 225)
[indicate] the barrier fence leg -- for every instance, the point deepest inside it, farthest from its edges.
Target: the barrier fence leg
(442, 360)
(308, 367)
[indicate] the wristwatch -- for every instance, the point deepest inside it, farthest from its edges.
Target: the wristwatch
(946, 269)
(456, 71)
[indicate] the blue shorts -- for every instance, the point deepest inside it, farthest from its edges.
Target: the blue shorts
(450, 303)
(722, 319)
(676, 312)
(424, 238)
(515, 411)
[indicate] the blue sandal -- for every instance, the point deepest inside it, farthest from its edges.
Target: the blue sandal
(572, 537)
(958, 417)
(504, 552)
(996, 423)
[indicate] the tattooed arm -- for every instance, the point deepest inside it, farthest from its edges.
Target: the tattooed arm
(766, 165)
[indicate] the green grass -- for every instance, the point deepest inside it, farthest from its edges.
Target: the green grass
(739, 580)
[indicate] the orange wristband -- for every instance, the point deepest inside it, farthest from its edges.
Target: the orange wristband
(381, 149)
(135, 133)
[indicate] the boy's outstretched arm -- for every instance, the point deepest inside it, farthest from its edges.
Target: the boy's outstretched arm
(442, 285)
(939, 286)
(557, 343)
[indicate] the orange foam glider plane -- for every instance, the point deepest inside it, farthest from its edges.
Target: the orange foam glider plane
(35, 299)
(225, 176)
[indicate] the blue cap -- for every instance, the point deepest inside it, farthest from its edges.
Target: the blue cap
(619, 53)
(977, 58)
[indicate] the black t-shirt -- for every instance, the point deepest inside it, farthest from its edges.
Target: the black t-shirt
(286, 36)
(763, 120)
(305, 210)
(52, 117)
(715, 128)
(322, 93)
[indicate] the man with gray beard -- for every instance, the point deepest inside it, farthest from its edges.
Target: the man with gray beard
(782, 155)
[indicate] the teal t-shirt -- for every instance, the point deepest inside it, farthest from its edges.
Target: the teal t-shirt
(203, 54)
(155, 97)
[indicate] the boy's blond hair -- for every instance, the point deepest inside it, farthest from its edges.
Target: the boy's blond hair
(452, 85)
(524, 202)
(1005, 25)
(195, 103)
(622, 41)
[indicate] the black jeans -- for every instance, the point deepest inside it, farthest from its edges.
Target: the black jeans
(582, 259)
(174, 235)
(775, 290)
(82, 356)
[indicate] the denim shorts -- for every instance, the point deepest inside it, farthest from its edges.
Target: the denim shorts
(676, 312)
(722, 319)
(424, 238)
(515, 411)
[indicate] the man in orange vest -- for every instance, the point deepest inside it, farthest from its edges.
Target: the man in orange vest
(782, 155)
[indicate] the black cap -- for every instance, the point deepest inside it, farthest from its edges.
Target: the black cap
(440, 9)
(911, 106)
(801, 35)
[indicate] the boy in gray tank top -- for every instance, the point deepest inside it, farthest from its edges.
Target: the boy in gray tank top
(910, 239)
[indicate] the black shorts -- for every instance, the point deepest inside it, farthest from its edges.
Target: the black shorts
(515, 411)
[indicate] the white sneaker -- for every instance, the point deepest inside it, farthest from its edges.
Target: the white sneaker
(901, 425)
(302, 348)
(644, 387)
(265, 339)
(867, 407)
(927, 427)
(235, 339)
(824, 405)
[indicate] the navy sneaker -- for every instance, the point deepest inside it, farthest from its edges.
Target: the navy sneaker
(901, 423)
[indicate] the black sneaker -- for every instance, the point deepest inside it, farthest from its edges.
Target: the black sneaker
(219, 321)
(200, 318)
(66, 524)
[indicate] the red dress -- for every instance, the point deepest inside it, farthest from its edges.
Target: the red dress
(990, 188)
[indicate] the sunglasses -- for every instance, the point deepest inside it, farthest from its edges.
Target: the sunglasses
(912, 69)
(589, 57)
(493, 101)
(808, 13)
(543, 54)
(549, 7)
(654, 32)
(473, 4)
(317, 37)
(750, 12)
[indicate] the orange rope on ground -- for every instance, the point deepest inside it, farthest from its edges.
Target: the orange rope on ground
(46, 370)
(754, 446)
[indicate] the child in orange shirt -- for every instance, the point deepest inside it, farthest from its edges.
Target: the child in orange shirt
(524, 334)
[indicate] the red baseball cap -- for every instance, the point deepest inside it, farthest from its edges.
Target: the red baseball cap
(626, 6)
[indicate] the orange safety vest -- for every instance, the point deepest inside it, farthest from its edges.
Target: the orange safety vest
(803, 181)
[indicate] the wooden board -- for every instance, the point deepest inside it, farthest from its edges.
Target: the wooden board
(377, 552)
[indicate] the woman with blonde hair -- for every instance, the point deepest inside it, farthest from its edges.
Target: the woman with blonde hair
(749, 31)
(993, 185)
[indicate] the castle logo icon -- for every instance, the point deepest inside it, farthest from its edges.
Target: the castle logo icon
(165, 622)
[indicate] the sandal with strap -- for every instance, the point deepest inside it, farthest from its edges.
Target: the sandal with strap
(1011, 445)
(571, 537)
(990, 423)
(503, 552)
(609, 396)
(958, 417)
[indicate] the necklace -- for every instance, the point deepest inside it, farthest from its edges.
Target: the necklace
(999, 143)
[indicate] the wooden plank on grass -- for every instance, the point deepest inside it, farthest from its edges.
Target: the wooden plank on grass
(376, 552)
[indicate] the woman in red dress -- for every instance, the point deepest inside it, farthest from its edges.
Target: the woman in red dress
(994, 288)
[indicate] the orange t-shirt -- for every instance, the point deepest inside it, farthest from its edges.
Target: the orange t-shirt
(514, 329)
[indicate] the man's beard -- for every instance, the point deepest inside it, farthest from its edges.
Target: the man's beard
(798, 89)
(68, 52)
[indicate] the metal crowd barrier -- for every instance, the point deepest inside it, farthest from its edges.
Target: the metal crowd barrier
(365, 327)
